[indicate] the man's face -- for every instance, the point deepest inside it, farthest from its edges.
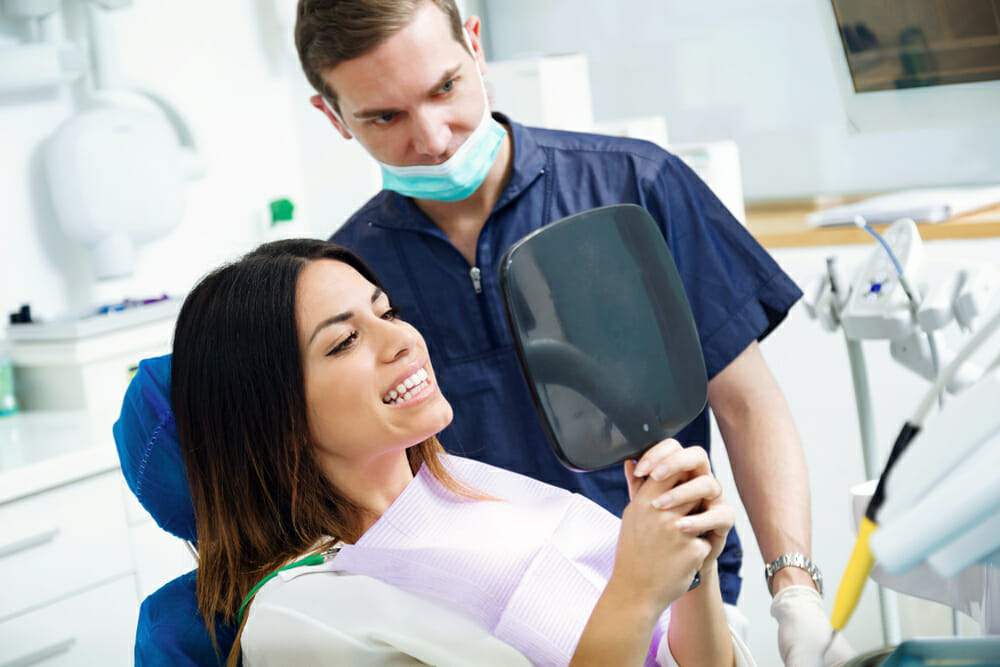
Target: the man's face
(416, 98)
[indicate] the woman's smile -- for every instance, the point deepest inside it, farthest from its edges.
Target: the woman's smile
(410, 389)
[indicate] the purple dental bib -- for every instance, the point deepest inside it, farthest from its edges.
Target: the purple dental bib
(530, 566)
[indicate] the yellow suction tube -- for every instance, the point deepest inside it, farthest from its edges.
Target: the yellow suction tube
(854, 577)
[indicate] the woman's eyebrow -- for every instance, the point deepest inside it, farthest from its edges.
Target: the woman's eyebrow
(340, 317)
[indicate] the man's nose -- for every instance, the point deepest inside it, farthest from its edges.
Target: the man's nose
(431, 134)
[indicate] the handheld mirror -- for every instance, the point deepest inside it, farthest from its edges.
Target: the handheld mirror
(604, 333)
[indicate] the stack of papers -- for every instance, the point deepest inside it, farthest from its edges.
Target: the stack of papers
(923, 205)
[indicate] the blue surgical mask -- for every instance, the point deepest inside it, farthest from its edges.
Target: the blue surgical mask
(457, 177)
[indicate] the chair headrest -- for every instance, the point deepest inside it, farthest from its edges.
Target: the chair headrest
(150, 454)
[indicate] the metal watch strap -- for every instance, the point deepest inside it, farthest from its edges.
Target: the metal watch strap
(793, 560)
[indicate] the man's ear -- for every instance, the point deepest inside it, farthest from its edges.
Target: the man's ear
(472, 26)
(318, 102)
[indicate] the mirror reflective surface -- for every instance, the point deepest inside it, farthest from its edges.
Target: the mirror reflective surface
(604, 334)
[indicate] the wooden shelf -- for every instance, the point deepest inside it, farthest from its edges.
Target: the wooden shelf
(782, 224)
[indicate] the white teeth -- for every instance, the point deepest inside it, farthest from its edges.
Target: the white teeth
(408, 388)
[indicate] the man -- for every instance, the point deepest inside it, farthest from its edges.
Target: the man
(461, 185)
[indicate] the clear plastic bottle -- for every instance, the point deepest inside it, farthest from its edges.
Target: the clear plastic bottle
(8, 399)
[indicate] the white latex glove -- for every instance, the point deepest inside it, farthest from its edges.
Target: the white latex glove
(804, 630)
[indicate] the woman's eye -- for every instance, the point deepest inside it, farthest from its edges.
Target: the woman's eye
(344, 344)
(448, 86)
(391, 314)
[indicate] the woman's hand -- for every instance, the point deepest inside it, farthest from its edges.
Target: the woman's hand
(676, 523)
(696, 487)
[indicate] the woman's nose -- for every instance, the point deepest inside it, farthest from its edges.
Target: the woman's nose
(400, 340)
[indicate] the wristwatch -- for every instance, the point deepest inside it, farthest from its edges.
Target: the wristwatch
(793, 560)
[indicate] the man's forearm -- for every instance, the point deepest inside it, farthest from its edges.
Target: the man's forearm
(766, 458)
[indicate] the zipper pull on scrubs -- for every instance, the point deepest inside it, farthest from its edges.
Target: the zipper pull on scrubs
(477, 284)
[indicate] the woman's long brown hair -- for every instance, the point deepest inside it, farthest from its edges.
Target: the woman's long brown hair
(238, 397)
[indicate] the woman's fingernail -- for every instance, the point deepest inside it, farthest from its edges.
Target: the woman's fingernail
(641, 469)
(684, 524)
(662, 502)
(660, 473)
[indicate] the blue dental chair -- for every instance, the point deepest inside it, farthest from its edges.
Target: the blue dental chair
(171, 630)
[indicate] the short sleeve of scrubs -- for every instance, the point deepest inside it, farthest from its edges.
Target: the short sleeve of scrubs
(737, 292)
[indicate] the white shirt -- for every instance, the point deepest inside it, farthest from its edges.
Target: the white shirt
(444, 581)
(316, 616)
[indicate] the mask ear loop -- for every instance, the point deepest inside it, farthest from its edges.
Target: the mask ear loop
(482, 79)
(336, 114)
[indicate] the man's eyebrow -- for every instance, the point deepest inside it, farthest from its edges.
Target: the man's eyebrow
(367, 114)
(340, 317)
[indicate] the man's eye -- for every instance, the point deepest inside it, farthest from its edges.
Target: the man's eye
(344, 344)
(384, 119)
(391, 314)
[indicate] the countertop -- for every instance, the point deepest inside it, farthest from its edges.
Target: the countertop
(43, 449)
(782, 224)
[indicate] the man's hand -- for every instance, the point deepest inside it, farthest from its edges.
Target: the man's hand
(804, 632)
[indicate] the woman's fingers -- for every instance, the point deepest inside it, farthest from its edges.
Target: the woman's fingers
(655, 456)
(717, 519)
(630, 478)
(668, 459)
(689, 493)
(713, 525)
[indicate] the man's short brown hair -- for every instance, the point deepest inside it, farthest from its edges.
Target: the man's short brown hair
(328, 32)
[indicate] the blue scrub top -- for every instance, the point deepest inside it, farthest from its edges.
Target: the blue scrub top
(737, 292)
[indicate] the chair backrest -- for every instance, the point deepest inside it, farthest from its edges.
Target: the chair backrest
(146, 438)
(171, 630)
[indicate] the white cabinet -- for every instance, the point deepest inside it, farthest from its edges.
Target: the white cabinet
(76, 550)
(96, 627)
(61, 542)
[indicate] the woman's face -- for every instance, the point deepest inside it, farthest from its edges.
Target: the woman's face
(369, 385)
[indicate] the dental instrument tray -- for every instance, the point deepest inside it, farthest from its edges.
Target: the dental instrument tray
(604, 334)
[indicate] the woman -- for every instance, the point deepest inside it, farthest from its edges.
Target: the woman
(307, 411)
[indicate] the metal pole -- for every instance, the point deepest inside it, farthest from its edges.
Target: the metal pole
(888, 600)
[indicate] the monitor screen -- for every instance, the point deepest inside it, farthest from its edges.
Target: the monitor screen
(892, 45)
(918, 63)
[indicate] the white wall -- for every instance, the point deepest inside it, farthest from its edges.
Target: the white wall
(756, 72)
(229, 66)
